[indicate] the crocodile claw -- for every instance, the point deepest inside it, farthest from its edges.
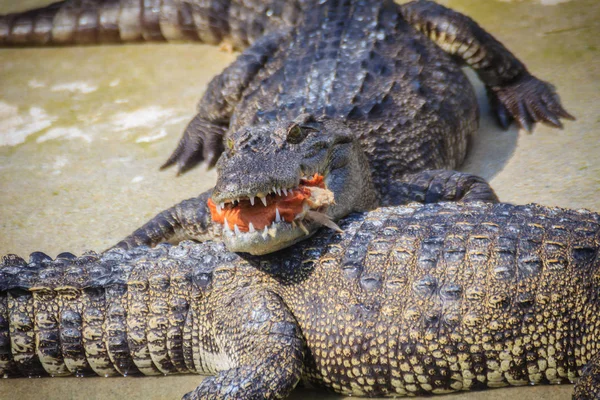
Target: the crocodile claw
(527, 100)
(201, 141)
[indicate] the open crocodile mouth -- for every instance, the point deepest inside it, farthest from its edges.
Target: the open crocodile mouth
(283, 212)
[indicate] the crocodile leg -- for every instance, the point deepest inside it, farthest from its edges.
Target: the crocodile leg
(588, 385)
(203, 137)
(514, 93)
(263, 343)
(433, 186)
(203, 140)
(189, 219)
(70, 22)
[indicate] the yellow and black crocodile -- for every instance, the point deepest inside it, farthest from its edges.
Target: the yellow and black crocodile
(408, 300)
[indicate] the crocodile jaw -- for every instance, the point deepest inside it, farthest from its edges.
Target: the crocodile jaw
(274, 237)
(262, 226)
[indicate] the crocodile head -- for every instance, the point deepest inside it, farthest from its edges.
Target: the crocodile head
(278, 183)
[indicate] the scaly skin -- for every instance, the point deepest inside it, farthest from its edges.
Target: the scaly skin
(388, 74)
(418, 299)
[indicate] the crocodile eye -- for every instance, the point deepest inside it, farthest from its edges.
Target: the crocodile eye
(295, 134)
(230, 143)
(202, 279)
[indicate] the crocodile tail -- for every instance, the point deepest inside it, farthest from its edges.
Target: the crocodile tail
(85, 315)
(99, 21)
(18, 354)
(10, 264)
(74, 22)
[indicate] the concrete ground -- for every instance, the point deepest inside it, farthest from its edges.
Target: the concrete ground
(83, 131)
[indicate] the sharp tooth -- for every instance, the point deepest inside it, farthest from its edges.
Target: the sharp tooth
(293, 224)
(278, 192)
(252, 200)
(264, 201)
(236, 229)
(219, 209)
(277, 215)
(251, 227)
(284, 191)
(226, 226)
(274, 190)
(301, 225)
(221, 204)
(265, 232)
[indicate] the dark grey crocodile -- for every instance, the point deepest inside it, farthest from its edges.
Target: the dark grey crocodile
(384, 73)
(419, 299)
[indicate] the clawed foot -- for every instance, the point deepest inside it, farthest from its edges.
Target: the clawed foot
(202, 140)
(527, 100)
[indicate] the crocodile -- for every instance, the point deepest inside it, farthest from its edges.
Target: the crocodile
(387, 74)
(407, 300)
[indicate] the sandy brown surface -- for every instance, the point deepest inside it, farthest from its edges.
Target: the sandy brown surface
(83, 131)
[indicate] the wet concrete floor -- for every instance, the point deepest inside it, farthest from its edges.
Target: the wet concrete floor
(83, 131)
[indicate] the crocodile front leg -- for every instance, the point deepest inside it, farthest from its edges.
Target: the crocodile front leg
(263, 344)
(189, 219)
(203, 137)
(588, 386)
(514, 93)
(433, 186)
